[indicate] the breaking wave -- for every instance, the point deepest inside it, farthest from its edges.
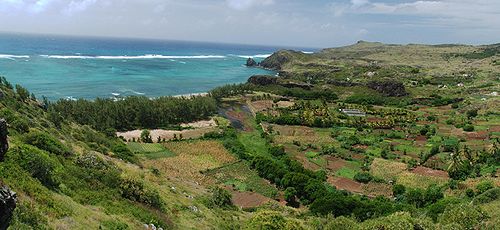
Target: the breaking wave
(148, 56)
(13, 57)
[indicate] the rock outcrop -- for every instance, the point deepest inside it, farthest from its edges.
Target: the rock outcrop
(8, 198)
(278, 59)
(388, 88)
(251, 62)
(262, 80)
(4, 144)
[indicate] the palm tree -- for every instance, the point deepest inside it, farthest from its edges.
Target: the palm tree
(456, 161)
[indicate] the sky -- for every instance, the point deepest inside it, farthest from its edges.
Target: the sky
(306, 23)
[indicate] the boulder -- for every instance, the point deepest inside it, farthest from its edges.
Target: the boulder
(8, 200)
(4, 144)
(251, 62)
(262, 80)
(388, 88)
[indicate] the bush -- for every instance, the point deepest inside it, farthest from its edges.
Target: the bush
(398, 190)
(468, 128)
(46, 142)
(38, 163)
(121, 151)
(363, 177)
(135, 190)
(436, 209)
(483, 186)
(271, 220)
(465, 215)
(341, 223)
(277, 150)
(471, 113)
(290, 194)
(146, 136)
(21, 125)
(488, 196)
(221, 198)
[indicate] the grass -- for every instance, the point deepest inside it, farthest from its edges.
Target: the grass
(191, 159)
(253, 143)
(242, 178)
(349, 171)
(388, 170)
(412, 180)
(150, 150)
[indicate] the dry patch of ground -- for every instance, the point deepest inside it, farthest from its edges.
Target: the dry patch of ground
(424, 171)
(190, 159)
(413, 180)
(302, 134)
(373, 189)
(334, 163)
(346, 184)
(265, 105)
(200, 128)
(249, 199)
(386, 169)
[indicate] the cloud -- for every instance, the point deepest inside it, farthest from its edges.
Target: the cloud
(359, 3)
(246, 4)
(455, 13)
(76, 6)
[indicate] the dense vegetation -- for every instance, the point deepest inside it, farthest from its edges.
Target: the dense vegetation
(135, 112)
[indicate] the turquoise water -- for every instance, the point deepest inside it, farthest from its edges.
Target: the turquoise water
(72, 67)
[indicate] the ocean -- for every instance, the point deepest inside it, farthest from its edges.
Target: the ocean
(63, 67)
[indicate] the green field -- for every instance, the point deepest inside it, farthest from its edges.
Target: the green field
(150, 150)
(242, 178)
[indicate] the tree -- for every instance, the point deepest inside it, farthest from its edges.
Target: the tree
(471, 113)
(467, 216)
(23, 93)
(290, 196)
(146, 136)
(468, 128)
(221, 197)
(363, 177)
(398, 190)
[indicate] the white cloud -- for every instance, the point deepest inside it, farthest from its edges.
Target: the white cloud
(454, 13)
(246, 4)
(76, 6)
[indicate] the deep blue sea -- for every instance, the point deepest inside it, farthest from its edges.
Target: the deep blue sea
(77, 67)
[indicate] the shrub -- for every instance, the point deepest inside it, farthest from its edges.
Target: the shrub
(471, 113)
(146, 136)
(470, 193)
(488, 196)
(277, 150)
(38, 163)
(135, 190)
(21, 125)
(468, 128)
(271, 220)
(46, 142)
(363, 177)
(436, 209)
(398, 190)
(466, 215)
(341, 223)
(483, 186)
(221, 198)
(121, 151)
(22, 92)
